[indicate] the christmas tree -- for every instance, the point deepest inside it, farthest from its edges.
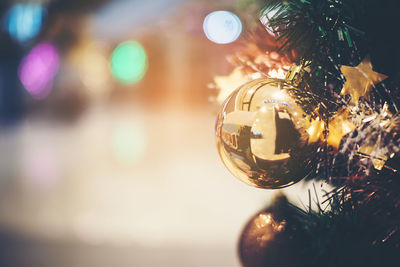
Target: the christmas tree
(333, 117)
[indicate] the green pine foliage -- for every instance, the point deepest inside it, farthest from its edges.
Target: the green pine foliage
(360, 226)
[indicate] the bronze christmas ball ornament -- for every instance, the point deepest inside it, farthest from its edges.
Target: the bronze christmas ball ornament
(264, 137)
(275, 237)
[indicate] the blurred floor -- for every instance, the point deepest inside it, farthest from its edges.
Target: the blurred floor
(186, 199)
(23, 252)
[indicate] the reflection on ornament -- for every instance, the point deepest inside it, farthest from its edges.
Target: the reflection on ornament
(264, 137)
(264, 229)
(360, 80)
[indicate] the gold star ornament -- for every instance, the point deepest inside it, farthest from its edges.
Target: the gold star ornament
(360, 80)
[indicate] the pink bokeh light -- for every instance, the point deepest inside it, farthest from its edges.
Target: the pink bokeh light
(38, 68)
(41, 167)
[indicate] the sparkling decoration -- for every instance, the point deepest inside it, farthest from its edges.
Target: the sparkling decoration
(264, 137)
(129, 62)
(374, 139)
(222, 27)
(366, 133)
(261, 56)
(257, 57)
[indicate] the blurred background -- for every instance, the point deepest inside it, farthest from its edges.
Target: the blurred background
(108, 155)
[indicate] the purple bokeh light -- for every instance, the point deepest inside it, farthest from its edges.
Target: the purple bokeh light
(38, 68)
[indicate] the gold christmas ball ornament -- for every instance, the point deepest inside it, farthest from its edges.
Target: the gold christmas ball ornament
(264, 137)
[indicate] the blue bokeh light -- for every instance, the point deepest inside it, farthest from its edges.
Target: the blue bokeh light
(222, 27)
(24, 21)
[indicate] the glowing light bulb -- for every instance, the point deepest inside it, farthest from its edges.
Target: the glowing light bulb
(222, 27)
(24, 21)
(38, 68)
(93, 69)
(129, 62)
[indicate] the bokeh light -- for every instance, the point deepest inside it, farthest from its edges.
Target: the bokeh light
(222, 27)
(93, 68)
(24, 21)
(40, 167)
(129, 143)
(38, 68)
(129, 62)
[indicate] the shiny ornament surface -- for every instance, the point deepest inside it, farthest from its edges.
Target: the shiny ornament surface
(274, 237)
(264, 137)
